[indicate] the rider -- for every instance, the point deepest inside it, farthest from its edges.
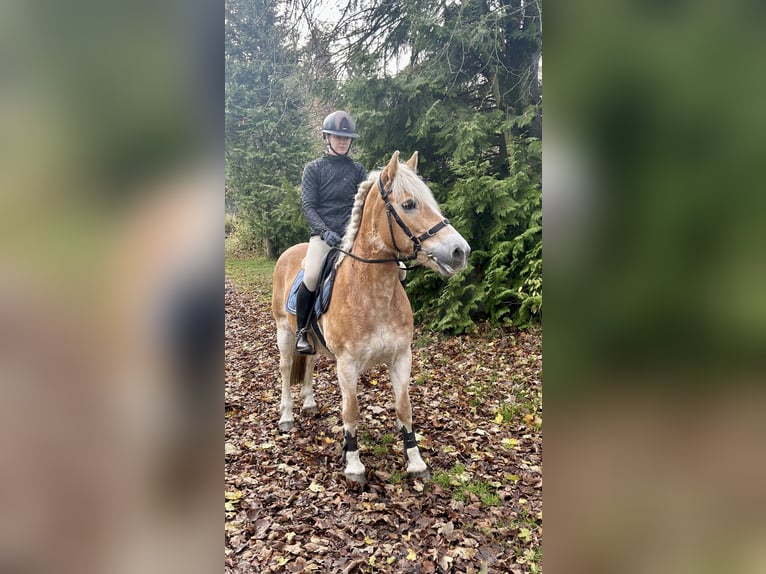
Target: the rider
(328, 189)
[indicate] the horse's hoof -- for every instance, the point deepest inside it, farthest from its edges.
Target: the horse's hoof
(310, 412)
(286, 426)
(423, 475)
(356, 479)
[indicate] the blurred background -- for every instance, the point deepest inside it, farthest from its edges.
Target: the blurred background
(655, 328)
(111, 288)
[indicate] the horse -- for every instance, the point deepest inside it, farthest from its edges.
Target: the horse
(369, 318)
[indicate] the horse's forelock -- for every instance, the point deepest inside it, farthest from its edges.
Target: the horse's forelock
(408, 184)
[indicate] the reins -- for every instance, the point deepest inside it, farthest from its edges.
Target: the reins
(388, 260)
(416, 241)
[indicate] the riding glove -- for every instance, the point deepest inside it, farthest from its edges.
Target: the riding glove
(331, 238)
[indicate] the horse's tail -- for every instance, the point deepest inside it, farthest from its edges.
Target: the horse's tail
(298, 369)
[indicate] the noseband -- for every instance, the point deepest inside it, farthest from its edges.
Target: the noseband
(391, 212)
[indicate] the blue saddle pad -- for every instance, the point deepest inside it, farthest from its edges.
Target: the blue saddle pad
(291, 299)
(320, 303)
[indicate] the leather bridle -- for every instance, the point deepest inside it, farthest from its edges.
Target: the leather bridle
(416, 240)
(391, 213)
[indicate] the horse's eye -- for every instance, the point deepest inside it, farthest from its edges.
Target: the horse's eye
(409, 204)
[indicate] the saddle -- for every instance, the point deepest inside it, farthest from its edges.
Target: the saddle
(323, 293)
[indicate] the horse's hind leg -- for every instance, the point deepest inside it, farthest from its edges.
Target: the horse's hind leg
(400, 382)
(286, 343)
(309, 406)
(294, 368)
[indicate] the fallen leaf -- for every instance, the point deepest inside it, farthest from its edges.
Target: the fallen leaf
(316, 487)
(529, 419)
(295, 512)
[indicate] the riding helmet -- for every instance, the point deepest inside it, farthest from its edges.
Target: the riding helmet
(340, 123)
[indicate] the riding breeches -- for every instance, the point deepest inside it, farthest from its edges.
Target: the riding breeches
(312, 265)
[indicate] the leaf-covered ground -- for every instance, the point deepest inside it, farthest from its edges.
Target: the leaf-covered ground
(477, 402)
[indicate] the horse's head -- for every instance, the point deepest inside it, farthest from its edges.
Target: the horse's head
(414, 222)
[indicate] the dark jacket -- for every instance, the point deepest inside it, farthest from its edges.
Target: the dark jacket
(328, 189)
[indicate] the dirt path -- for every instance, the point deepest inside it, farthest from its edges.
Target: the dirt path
(477, 402)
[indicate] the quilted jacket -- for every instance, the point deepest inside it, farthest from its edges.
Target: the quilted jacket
(328, 188)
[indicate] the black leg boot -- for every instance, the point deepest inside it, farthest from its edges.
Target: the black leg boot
(303, 303)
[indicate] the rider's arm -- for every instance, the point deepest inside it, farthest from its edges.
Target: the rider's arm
(310, 198)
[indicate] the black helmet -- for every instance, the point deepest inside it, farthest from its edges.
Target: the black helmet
(340, 123)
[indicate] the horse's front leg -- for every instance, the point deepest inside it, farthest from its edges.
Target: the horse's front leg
(400, 382)
(348, 375)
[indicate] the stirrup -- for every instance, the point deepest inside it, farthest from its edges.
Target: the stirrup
(302, 344)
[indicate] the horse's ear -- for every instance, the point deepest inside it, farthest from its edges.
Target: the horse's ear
(393, 165)
(412, 163)
(389, 172)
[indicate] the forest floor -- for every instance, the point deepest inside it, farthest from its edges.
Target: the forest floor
(477, 403)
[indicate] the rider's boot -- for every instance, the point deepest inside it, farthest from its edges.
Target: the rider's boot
(304, 302)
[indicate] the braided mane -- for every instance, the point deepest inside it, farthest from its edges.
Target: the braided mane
(356, 216)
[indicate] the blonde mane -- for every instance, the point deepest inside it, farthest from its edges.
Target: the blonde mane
(356, 216)
(405, 181)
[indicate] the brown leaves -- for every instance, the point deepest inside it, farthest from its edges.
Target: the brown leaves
(288, 507)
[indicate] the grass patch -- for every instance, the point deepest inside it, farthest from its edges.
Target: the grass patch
(510, 412)
(480, 391)
(525, 520)
(365, 438)
(252, 275)
(378, 448)
(422, 341)
(486, 493)
(398, 476)
(461, 486)
(525, 543)
(522, 407)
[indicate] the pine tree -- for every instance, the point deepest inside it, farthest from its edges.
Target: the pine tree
(470, 102)
(268, 131)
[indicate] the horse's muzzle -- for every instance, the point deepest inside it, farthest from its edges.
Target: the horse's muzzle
(451, 255)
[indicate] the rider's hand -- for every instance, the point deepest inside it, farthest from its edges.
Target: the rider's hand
(331, 238)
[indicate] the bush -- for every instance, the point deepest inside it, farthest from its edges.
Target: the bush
(501, 217)
(230, 222)
(244, 240)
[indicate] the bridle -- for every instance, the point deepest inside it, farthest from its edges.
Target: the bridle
(391, 213)
(416, 240)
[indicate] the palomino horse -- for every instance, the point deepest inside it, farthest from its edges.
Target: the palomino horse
(369, 319)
